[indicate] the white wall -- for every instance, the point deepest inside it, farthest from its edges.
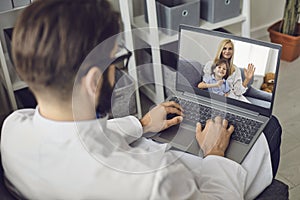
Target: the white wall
(263, 14)
(266, 12)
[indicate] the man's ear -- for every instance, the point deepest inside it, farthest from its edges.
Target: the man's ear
(93, 82)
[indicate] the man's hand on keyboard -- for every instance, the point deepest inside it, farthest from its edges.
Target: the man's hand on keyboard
(214, 139)
(155, 120)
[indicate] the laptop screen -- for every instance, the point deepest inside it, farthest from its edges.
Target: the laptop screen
(201, 60)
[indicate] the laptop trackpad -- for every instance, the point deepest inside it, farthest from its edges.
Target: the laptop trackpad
(181, 137)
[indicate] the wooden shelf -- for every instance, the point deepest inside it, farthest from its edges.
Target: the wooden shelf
(17, 84)
(12, 81)
(12, 10)
(210, 26)
(142, 28)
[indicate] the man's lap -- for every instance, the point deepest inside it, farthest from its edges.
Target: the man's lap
(257, 164)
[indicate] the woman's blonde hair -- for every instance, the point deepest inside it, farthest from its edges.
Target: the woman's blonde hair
(219, 54)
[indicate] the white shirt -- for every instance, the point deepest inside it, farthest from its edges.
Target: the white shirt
(47, 159)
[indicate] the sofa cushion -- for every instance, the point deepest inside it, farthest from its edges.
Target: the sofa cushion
(191, 71)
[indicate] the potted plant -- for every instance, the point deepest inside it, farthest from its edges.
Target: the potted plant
(287, 31)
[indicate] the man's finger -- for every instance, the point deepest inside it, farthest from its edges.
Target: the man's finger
(173, 121)
(230, 129)
(218, 119)
(198, 127)
(225, 123)
(172, 104)
(198, 130)
(173, 110)
(209, 121)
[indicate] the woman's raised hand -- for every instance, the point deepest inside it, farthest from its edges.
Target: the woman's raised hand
(249, 72)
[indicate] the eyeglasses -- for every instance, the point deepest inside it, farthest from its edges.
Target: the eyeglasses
(120, 62)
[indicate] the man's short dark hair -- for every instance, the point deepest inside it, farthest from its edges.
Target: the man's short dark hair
(53, 37)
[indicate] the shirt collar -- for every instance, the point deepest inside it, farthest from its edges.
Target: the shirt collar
(100, 122)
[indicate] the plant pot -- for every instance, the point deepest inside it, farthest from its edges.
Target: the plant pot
(290, 44)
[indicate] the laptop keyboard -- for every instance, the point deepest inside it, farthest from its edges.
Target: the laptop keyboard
(244, 128)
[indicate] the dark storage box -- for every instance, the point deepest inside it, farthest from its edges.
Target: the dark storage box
(219, 10)
(172, 13)
(19, 3)
(5, 5)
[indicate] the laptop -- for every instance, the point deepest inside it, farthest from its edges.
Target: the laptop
(195, 49)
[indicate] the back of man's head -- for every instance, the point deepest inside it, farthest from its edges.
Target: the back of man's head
(53, 37)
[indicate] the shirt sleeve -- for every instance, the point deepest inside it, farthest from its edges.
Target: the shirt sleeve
(227, 88)
(207, 79)
(222, 178)
(128, 127)
(237, 83)
(216, 178)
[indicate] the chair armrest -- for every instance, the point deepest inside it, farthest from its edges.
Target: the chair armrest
(277, 190)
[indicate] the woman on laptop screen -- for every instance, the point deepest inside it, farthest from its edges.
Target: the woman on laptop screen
(237, 86)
